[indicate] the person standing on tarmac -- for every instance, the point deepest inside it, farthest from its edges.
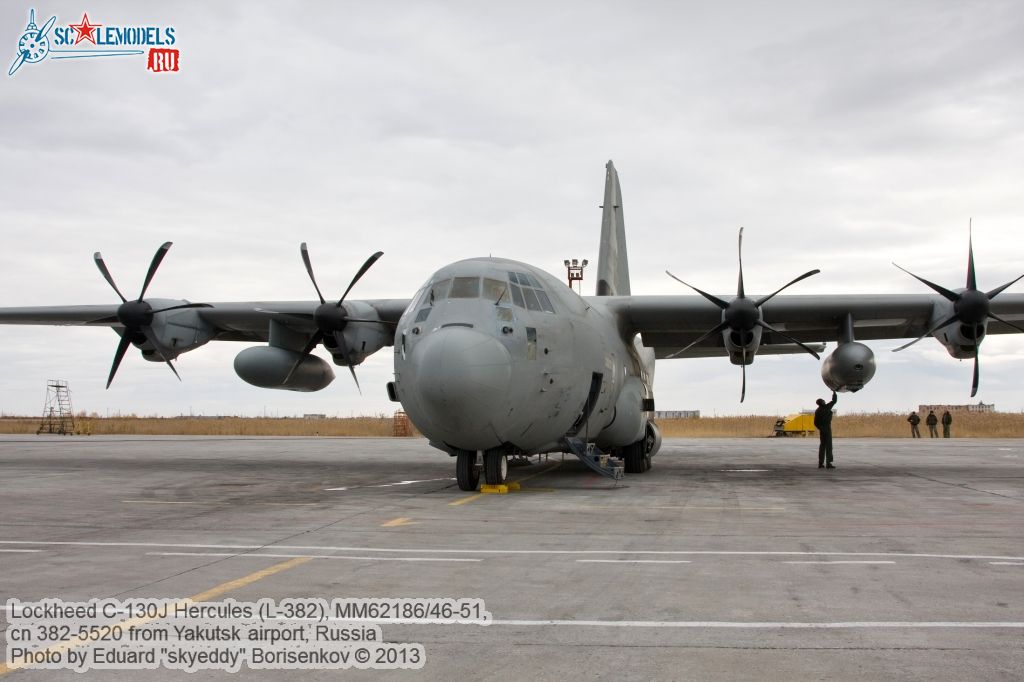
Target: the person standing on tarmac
(914, 421)
(823, 422)
(931, 420)
(947, 420)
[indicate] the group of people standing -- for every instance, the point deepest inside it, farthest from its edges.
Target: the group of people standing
(932, 421)
(823, 423)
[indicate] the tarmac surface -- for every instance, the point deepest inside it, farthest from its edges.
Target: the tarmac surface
(734, 559)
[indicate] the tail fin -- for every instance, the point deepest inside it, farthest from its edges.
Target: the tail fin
(612, 264)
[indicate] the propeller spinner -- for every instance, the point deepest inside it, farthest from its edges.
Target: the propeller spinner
(971, 307)
(137, 316)
(742, 314)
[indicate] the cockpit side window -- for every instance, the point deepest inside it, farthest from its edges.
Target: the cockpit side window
(530, 296)
(517, 296)
(466, 287)
(439, 291)
(528, 293)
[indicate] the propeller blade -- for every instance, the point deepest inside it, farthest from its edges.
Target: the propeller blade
(1006, 322)
(362, 271)
(157, 259)
(714, 299)
(940, 325)
(739, 286)
(977, 375)
(743, 390)
(998, 290)
(313, 341)
(946, 293)
(182, 307)
(343, 348)
(721, 327)
(122, 348)
(18, 61)
(971, 281)
(98, 257)
(773, 330)
(353, 371)
(309, 269)
(152, 341)
(807, 274)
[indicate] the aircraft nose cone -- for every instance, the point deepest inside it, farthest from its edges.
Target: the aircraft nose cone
(463, 380)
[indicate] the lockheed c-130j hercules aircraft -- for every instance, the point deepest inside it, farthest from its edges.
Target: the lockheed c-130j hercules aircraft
(495, 358)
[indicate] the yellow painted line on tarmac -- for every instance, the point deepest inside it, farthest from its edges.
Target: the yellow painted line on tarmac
(213, 592)
(400, 521)
(465, 500)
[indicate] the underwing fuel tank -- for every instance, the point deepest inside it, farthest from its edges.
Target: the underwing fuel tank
(848, 368)
(268, 367)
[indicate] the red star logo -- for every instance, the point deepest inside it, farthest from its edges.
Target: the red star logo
(85, 30)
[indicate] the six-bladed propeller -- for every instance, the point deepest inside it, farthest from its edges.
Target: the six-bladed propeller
(741, 315)
(971, 307)
(137, 316)
(332, 318)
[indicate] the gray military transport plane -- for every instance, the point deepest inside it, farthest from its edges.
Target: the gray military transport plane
(495, 358)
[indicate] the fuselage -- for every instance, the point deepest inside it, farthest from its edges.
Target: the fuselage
(492, 353)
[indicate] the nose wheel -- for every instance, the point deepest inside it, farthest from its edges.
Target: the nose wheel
(467, 471)
(495, 467)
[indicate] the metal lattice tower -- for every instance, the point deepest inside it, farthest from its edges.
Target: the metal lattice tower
(57, 414)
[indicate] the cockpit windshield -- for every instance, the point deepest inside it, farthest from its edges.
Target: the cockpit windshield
(465, 287)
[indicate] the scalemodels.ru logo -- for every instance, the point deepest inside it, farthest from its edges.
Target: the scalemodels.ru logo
(62, 41)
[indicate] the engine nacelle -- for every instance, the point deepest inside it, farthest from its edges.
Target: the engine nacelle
(848, 368)
(268, 366)
(736, 343)
(363, 338)
(960, 339)
(176, 331)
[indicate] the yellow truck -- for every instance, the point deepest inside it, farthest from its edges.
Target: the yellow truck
(801, 424)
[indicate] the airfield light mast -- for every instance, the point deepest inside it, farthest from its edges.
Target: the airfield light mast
(574, 268)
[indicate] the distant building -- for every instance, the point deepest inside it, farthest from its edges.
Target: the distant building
(980, 407)
(677, 414)
(314, 416)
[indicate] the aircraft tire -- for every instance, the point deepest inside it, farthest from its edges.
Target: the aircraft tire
(634, 457)
(495, 467)
(466, 471)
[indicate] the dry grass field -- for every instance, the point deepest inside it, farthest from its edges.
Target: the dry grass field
(215, 426)
(868, 425)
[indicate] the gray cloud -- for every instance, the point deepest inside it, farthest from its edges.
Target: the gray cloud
(841, 137)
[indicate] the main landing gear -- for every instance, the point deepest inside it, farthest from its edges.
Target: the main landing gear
(638, 454)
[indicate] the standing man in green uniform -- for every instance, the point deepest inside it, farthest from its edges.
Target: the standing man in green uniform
(823, 422)
(931, 420)
(914, 421)
(947, 419)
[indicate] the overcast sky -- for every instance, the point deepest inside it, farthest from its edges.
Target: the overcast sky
(842, 136)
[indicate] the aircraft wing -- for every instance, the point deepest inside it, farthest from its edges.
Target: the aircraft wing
(245, 321)
(669, 323)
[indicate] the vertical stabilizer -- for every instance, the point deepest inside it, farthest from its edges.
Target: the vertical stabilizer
(612, 264)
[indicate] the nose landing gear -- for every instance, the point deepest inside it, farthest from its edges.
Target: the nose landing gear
(467, 470)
